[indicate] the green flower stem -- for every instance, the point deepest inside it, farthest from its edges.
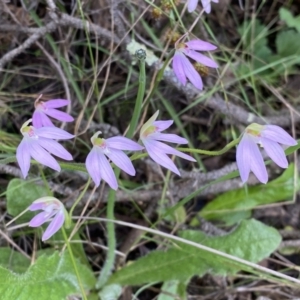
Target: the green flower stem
(111, 236)
(139, 99)
(74, 263)
(211, 153)
(79, 197)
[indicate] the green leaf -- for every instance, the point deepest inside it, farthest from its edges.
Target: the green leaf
(13, 260)
(244, 199)
(291, 21)
(111, 292)
(50, 278)
(20, 194)
(251, 240)
(169, 288)
(288, 43)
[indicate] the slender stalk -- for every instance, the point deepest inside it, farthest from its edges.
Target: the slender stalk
(111, 236)
(211, 153)
(141, 55)
(74, 263)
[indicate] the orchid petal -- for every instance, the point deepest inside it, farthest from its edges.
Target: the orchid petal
(168, 137)
(243, 157)
(54, 225)
(55, 148)
(37, 206)
(41, 218)
(123, 143)
(206, 5)
(277, 134)
(53, 133)
(59, 115)
(93, 166)
(121, 160)
(275, 152)
(200, 58)
(162, 125)
(178, 65)
(23, 157)
(257, 164)
(192, 74)
(200, 45)
(160, 157)
(106, 171)
(192, 4)
(56, 103)
(42, 156)
(39, 119)
(169, 150)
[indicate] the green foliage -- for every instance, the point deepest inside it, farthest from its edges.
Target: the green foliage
(262, 60)
(13, 260)
(20, 194)
(231, 206)
(172, 287)
(291, 21)
(111, 292)
(251, 240)
(50, 278)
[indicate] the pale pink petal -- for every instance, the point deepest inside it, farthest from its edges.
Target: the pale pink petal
(53, 133)
(192, 4)
(169, 150)
(56, 103)
(168, 137)
(243, 157)
(39, 119)
(206, 5)
(277, 134)
(42, 156)
(200, 45)
(54, 225)
(55, 148)
(179, 67)
(192, 74)
(106, 171)
(93, 166)
(200, 58)
(275, 152)
(123, 143)
(23, 157)
(121, 160)
(160, 157)
(37, 206)
(257, 164)
(59, 115)
(162, 125)
(41, 218)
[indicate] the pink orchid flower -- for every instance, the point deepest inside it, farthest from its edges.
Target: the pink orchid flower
(249, 158)
(192, 4)
(98, 165)
(40, 143)
(51, 207)
(43, 109)
(151, 136)
(184, 69)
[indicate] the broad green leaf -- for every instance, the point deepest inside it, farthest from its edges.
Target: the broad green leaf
(291, 21)
(251, 240)
(243, 199)
(288, 43)
(20, 194)
(49, 278)
(13, 260)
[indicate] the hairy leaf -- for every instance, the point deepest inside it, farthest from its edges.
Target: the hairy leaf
(251, 240)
